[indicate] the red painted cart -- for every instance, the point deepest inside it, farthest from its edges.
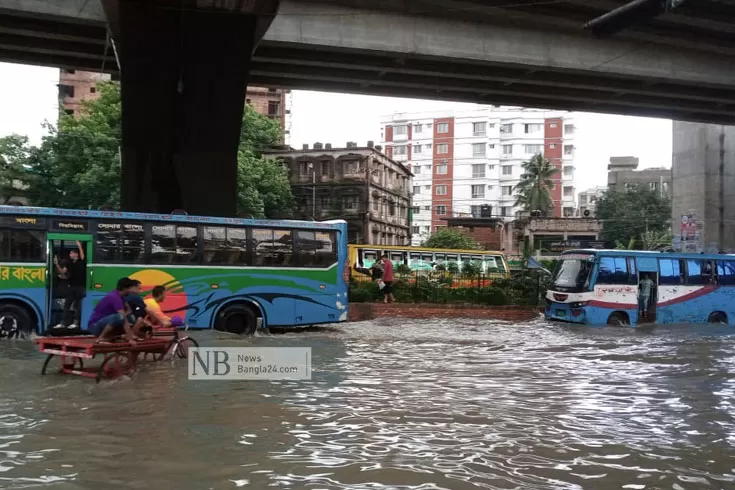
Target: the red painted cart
(119, 358)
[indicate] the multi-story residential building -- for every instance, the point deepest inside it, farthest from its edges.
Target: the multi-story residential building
(465, 162)
(587, 200)
(622, 173)
(358, 184)
(272, 102)
(77, 86)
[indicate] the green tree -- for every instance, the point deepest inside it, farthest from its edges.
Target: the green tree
(14, 151)
(638, 217)
(450, 238)
(78, 163)
(649, 240)
(264, 189)
(536, 182)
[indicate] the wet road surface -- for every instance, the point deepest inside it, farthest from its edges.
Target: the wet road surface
(393, 404)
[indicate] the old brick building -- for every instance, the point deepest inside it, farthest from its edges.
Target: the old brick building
(76, 86)
(358, 184)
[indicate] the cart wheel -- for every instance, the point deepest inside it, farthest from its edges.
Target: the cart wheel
(182, 350)
(77, 363)
(115, 366)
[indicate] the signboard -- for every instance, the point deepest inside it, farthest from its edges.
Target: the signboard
(23, 221)
(689, 233)
(562, 245)
(69, 225)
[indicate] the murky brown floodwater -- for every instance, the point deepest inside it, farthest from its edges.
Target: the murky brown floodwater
(401, 405)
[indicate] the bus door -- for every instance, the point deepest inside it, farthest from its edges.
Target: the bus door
(647, 269)
(58, 284)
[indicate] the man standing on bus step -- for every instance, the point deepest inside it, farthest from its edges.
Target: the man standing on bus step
(75, 270)
(388, 280)
(644, 294)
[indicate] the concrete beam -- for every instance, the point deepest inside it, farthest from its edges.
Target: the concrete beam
(75, 11)
(325, 26)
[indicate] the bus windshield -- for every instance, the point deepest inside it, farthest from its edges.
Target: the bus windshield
(572, 275)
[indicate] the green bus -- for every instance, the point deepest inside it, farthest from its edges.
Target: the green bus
(229, 274)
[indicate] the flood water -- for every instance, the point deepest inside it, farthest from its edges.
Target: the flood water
(393, 404)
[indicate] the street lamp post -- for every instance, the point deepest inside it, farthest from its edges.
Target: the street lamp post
(313, 190)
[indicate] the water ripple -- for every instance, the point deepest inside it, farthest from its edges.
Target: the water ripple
(394, 405)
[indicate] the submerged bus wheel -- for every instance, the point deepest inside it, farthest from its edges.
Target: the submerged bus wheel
(717, 317)
(239, 319)
(15, 322)
(618, 320)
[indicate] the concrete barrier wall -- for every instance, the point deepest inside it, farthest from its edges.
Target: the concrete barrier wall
(368, 311)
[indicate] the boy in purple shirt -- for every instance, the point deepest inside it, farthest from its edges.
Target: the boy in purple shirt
(110, 317)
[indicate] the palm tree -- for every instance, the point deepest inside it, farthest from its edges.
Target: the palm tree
(650, 240)
(536, 181)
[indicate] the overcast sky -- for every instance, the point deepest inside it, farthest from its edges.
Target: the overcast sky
(28, 96)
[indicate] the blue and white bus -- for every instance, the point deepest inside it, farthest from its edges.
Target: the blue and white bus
(602, 287)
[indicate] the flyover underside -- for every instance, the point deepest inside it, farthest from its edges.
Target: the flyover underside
(330, 53)
(182, 100)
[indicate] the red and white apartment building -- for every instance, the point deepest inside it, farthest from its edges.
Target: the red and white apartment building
(467, 163)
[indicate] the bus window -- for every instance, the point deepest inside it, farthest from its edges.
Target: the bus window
(452, 259)
(315, 249)
(699, 272)
(428, 260)
(368, 258)
(414, 261)
(187, 244)
(464, 258)
(614, 270)
(670, 272)
(214, 241)
(726, 272)
(163, 244)
(491, 265)
(107, 242)
(22, 246)
(132, 244)
(396, 258)
(272, 247)
(237, 247)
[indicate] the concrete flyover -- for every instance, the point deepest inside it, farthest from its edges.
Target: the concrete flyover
(522, 52)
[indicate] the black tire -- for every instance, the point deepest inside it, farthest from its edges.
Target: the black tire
(237, 319)
(717, 317)
(75, 360)
(618, 320)
(116, 365)
(15, 322)
(183, 346)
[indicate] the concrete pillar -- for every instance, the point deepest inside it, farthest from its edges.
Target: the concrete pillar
(703, 172)
(183, 81)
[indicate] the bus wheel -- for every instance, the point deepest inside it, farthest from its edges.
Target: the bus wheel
(717, 317)
(238, 319)
(15, 322)
(618, 320)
